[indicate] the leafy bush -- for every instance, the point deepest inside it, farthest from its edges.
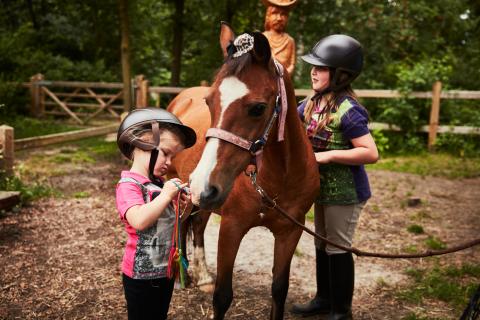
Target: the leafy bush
(458, 144)
(28, 192)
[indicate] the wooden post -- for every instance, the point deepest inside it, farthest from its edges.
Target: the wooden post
(125, 55)
(7, 149)
(141, 92)
(434, 114)
(37, 106)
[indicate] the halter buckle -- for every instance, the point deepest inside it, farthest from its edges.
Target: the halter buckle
(256, 146)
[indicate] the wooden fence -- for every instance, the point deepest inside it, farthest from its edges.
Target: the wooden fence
(45, 100)
(84, 101)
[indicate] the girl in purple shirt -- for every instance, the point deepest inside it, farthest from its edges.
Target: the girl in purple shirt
(336, 125)
(150, 138)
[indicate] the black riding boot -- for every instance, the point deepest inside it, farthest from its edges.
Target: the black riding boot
(320, 304)
(342, 275)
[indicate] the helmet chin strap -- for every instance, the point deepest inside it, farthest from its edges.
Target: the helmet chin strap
(154, 156)
(151, 167)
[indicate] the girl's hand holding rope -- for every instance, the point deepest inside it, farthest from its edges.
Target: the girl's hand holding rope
(184, 200)
(172, 187)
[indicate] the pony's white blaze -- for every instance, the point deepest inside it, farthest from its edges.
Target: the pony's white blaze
(230, 89)
(200, 176)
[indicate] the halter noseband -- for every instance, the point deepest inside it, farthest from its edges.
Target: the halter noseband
(255, 147)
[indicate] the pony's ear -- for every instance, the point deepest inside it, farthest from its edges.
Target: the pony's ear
(261, 48)
(226, 37)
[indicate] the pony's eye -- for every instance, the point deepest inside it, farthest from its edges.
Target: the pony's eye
(257, 110)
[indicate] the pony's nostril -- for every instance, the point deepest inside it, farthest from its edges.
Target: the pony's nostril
(209, 194)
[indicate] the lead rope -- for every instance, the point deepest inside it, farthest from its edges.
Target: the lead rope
(360, 253)
(177, 264)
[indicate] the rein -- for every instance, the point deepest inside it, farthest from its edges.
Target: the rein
(273, 205)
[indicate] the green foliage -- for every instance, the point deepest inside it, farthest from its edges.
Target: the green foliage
(81, 194)
(28, 191)
(451, 284)
(411, 249)
(415, 228)
(414, 316)
(310, 214)
(460, 145)
(381, 140)
(98, 148)
(407, 45)
(25, 127)
(79, 156)
(435, 243)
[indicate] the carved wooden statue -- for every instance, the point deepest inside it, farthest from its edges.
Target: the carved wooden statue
(281, 44)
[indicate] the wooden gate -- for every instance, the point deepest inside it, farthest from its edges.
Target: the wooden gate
(81, 101)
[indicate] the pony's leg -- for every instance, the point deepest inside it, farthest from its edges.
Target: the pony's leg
(200, 272)
(285, 245)
(229, 240)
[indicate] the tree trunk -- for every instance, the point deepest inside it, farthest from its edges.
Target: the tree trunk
(125, 52)
(32, 14)
(178, 17)
(230, 7)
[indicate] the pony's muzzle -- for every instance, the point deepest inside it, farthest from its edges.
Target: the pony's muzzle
(211, 197)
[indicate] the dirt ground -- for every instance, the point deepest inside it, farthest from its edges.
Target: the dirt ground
(60, 256)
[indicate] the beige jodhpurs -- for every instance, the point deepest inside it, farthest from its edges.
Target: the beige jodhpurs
(337, 223)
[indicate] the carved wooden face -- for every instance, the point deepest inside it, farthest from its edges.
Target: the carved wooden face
(276, 19)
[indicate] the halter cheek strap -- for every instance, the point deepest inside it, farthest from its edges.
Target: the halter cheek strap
(282, 94)
(256, 147)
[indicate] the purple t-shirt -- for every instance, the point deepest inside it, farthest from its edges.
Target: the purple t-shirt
(339, 184)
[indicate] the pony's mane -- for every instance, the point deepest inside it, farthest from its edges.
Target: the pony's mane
(235, 66)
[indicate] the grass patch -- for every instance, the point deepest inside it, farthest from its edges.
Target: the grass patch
(411, 249)
(454, 285)
(415, 228)
(427, 164)
(310, 215)
(98, 148)
(435, 243)
(375, 208)
(298, 253)
(413, 316)
(79, 156)
(81, 194)
(26, 127)
(420, 215)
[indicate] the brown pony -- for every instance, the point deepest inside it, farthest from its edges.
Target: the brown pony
(240, 106)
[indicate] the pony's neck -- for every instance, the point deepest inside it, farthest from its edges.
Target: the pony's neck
(291, 156)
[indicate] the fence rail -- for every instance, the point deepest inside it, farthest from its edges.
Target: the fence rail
(104, 103)
(46, 100)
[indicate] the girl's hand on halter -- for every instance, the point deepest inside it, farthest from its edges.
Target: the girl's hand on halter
(172, 187)
(323, 157)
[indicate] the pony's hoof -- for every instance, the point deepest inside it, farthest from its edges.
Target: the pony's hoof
(207, 288)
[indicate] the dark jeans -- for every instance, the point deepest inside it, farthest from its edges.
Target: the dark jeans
(147, 299)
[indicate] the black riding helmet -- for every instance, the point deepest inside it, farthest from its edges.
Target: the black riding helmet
(140, 120)
(340, 53)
